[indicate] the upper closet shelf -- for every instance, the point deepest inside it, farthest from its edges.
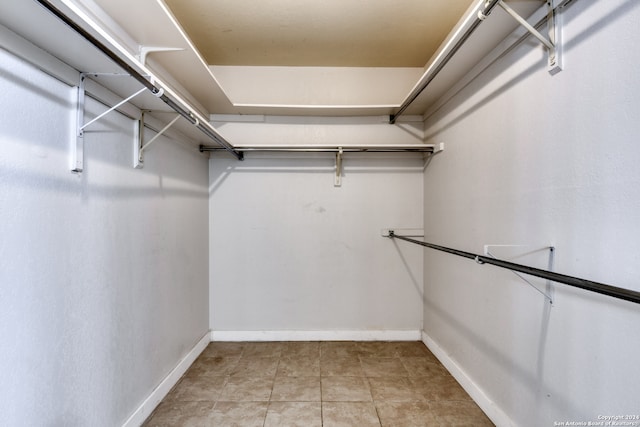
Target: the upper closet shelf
(104, 33)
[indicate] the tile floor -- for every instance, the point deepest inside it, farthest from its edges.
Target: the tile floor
(317, 384)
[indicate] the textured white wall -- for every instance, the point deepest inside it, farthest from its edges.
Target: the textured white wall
(291, 252)
(316, 85)
(533, 159)
(104, 275)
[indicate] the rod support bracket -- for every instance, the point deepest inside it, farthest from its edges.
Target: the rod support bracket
(548, 292)
(140, 145)
(338, 179)
(552, 43)
(77, 145)
(554, 27)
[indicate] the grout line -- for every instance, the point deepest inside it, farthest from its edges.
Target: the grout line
(321, 400)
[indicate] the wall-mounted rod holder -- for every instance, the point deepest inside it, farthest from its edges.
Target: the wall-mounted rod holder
(407, 232)
(550, 267)
(146, 145)
(338, 180)
(115, 107)
(77, 145)
(601, 288)
(554, 64)
(140, 145)
(548, 293)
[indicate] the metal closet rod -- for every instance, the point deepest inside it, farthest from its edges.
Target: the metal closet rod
(601, 288)
(158, 92)
(317, 148)
(435, 69)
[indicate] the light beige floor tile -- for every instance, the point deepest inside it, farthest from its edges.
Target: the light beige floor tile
(303, 348)
(247, 389)
(341, 366)
(294, 414)
(377, 349)
(296, 389)
(189, 414)
(216, 349)
(255, 366)
(299, 366)
(239, 414)
(422, 367)
(383, 367)
(397, 389)
(345, 389)
(440, 388)
(192, 388)
(214, 366)
(349, 414)
(331, 349)
(232, 384)
(459, 414)
(405, 414)
(263, 349)
(413, 349)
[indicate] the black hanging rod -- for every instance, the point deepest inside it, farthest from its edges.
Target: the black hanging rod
(428, 77)
(488, 7)
(140, 78)
(601, 288)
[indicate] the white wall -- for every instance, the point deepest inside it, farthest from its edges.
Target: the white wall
(103, 275)
(286, 86)
(533, 159)
(295, 256)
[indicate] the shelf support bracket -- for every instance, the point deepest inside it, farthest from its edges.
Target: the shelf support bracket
(554, 58)
(139, 145)
(124, 101)
(338, 180)
(146, 50)
(77, 145)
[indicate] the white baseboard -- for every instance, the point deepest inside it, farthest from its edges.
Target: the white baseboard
(316, 335)
(495, 414)
(159, 393)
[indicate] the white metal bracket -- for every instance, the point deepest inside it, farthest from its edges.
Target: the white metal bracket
(548, 292)
(146, 50)
(554, 61)
(77, 145)
(338, 180)
(554, 26)
(139, 145)
(406, 232)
